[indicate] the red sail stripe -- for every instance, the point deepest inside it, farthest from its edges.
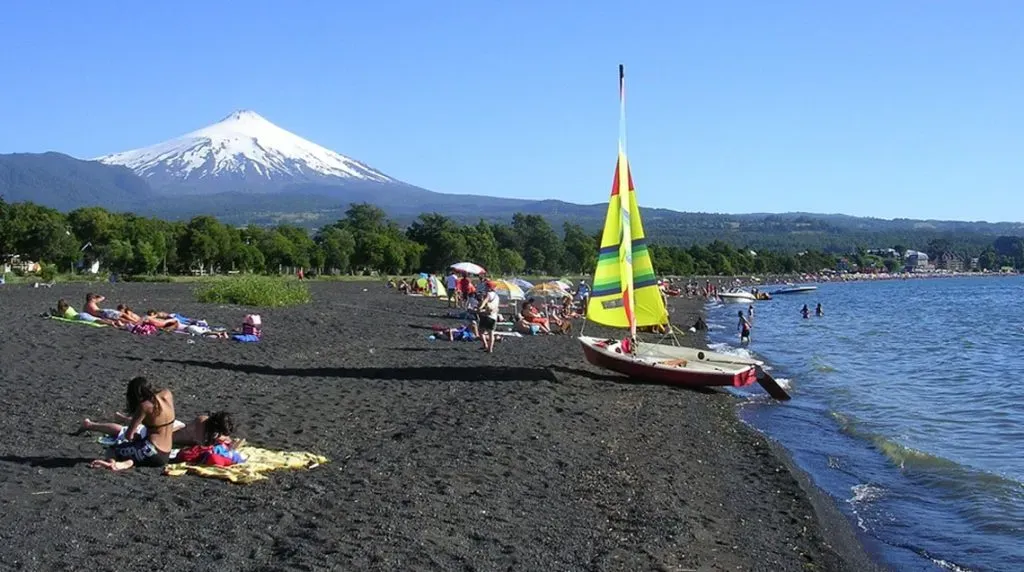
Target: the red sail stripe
(615, 183)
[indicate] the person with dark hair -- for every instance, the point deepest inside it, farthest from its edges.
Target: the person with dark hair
(204, 430)
(150, 408)
(744, 327)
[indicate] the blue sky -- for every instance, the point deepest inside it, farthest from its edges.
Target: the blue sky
(884, 108)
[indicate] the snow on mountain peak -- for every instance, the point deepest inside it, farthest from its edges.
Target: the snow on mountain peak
(242, 147)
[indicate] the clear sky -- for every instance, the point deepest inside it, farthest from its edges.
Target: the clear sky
(888, 108)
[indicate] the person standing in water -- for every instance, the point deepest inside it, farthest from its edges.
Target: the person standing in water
(805, 311)
(750, 311)
(744, 328)
(819, 311)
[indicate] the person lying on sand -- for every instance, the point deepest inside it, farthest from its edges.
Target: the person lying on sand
(467, 333)
(205, 429)
(150, 408)
(92, 307)
(64, 310)
(165, 323)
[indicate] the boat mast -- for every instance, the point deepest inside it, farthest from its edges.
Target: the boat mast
(626, 242)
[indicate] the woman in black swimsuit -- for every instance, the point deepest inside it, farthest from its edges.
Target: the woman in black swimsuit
(153, 408)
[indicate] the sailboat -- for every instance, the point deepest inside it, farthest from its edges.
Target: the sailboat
(625, 294)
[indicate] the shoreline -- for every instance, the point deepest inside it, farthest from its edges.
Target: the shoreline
(855, 549)
(442, 457)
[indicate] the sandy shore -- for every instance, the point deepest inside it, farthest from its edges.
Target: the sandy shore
(442, 457)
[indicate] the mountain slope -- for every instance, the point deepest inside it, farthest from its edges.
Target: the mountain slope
(65, 183)
(242, 152)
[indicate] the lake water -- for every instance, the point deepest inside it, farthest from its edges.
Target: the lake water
(908, 409)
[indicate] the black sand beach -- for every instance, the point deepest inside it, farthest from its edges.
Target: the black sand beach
(442, 457)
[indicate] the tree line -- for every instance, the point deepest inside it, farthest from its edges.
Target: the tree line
(364, 241)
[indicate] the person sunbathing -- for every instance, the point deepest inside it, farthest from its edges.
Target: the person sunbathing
(92, 307)
(128, 316)
(205, 429)
(150, 408)
(64, 310)
(531, 314)
(467, 333)
(164, 323)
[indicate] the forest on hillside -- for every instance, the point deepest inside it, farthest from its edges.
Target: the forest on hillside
(366, 240)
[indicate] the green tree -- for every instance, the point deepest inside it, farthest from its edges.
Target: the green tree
(444, 243)
(541, 247)
(581, 249)
(482, 246)
(337, 246)
(510, 262)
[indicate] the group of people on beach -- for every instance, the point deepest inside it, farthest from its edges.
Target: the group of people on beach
(125, 318)
(150, 430)
(478, 302)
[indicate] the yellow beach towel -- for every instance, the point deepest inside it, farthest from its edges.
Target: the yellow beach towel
(257, 462)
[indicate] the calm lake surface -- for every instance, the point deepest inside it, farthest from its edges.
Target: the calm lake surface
(908, 408)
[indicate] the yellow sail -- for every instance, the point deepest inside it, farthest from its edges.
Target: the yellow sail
(624, 276)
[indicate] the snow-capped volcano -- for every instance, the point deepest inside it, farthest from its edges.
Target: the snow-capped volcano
(242, 150)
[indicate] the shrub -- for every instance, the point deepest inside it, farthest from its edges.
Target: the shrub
(146, 278)
(260, 291)
(48, 272)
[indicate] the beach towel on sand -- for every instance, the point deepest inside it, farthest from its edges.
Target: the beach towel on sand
(257, 462)
(75, 321)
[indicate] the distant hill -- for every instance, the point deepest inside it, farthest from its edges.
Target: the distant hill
(244, 169)
(66, 183)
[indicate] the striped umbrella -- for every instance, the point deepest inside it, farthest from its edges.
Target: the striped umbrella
(507, 289)
(524, 284)
(547, 290)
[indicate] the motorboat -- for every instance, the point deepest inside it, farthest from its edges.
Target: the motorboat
(794, 290)
(737, 296)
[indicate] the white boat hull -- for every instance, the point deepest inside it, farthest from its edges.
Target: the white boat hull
(737, 297)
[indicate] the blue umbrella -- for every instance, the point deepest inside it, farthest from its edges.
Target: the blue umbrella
(524, 284)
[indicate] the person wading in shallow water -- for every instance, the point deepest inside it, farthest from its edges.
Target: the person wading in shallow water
(744, 327)
(154, 410)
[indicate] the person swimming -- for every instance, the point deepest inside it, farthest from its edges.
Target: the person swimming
(819, 311)
(150, 408)
(805, 311)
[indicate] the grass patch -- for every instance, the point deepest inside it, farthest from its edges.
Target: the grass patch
(262, 291)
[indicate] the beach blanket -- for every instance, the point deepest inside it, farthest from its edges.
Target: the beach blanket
(83, 322)
(257, 462)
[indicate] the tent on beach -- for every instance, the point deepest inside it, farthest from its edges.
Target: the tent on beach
(431, 285)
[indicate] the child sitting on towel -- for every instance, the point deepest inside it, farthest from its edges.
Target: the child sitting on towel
(214, 443)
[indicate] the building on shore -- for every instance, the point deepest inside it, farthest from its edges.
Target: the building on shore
(950, 262)
(917, 261)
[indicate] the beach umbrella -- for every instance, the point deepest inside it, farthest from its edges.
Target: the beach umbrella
(564, 284)
(469, 268)
(507, 289)
(547, 290)
(524, 284)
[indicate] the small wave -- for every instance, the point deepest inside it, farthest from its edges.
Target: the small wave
(865, 493)
(823, 367)
(908, 458)
(783, 382)
(949, 565)
(724, 348)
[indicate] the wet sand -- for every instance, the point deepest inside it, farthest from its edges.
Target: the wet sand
(442, 457)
